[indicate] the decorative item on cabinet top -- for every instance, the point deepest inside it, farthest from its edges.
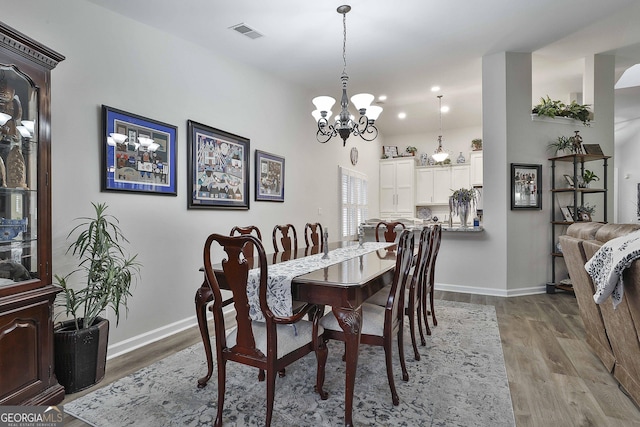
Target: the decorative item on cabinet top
(476, 144)
(460, 158)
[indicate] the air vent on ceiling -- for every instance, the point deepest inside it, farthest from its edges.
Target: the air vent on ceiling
(246, 30)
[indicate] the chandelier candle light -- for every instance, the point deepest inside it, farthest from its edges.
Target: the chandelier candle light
(344, 124)
(440, 154)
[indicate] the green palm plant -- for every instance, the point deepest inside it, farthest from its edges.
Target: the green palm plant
(108, 271)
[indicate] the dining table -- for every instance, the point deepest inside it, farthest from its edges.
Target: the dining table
(343, 286)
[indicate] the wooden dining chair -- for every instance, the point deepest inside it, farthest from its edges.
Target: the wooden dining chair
(429, 279)
(381, 324)
(288, 238)
(313, 235)
(412, 300)
(390, 234)
(270, 345)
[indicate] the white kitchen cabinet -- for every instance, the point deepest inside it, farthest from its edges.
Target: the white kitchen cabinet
(442, 185)
(435, 184)
(459, 177)
(397, 188)
(475, 173)
(424, 186)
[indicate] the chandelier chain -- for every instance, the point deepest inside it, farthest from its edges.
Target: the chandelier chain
(344, 42)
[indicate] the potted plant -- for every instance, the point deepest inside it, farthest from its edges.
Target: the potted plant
(412, 150)
(555, 108)
(476, 144)
(569, 144)
(460, 203)
(106, 273)
(588, 176)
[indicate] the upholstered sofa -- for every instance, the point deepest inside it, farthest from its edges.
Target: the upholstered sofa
(612, 333)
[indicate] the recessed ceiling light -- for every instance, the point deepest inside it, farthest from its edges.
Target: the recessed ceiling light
(435, 88)
(445, 109)
(382, 98)
(402, 116)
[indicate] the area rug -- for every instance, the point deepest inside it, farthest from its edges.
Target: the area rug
(460, 381)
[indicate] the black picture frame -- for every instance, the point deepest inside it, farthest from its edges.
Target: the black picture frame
(390, 151)
(129, 164)
(269, 177)
(526, 186)
(217, 167)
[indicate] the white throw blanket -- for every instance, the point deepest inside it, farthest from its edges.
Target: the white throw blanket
(608, 263)
(281, 274)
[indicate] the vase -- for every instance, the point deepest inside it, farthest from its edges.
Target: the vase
(460, 158)
(463, 213)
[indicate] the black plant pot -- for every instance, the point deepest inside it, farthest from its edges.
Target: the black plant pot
(80, 355)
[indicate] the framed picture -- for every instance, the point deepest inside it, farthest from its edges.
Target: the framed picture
(269, 177)
(138, 154)
(526, 186)
(592, 149)
(566, 215)
(572, 211)
(390, 151)
(569, 180)
(218, 168)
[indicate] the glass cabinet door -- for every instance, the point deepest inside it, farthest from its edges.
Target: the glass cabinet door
(18, 177)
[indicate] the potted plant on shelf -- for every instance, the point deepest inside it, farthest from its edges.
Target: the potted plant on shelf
(107, 273)
(476, 144)
(555, 108)
(588, 176)
(412, 150)
(461, 202)
(567, 144)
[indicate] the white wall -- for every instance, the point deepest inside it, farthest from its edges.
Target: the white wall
(627, 145)
(115, 61)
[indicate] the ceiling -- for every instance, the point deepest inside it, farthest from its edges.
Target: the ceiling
(402, 48)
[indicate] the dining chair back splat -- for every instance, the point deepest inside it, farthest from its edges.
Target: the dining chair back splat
(381, 324)
(245, 231)
(287, 237)
(270, 345)
(390, 234)
(429, 278)
(313, 235)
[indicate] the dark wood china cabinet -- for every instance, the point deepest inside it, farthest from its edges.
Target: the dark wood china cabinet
(26, 291)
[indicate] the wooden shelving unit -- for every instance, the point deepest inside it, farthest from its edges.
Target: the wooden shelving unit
(577, 162)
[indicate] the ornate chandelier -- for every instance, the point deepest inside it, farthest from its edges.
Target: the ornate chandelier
(440, 154)
(344, 124)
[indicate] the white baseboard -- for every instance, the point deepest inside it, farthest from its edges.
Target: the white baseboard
(133, 343)
(491, 291)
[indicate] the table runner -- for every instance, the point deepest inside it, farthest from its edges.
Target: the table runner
(280, 276)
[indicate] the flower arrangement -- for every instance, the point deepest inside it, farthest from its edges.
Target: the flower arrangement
(462, 197)
(412, 150)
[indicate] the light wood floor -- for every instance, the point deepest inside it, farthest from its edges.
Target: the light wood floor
(555, 379)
